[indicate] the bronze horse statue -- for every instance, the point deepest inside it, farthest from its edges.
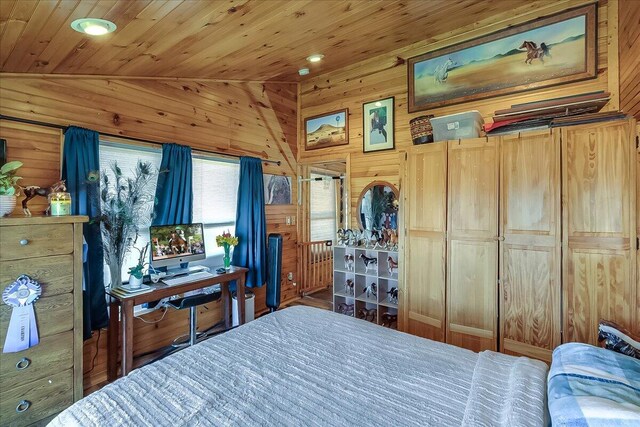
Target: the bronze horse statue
(33, 190)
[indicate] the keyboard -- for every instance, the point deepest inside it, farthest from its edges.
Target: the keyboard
(188, 278)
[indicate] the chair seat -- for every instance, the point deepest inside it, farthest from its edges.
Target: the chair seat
(195, 300)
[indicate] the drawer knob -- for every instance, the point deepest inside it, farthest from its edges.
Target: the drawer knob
(23, 364)
(23, 406)
(24, 242)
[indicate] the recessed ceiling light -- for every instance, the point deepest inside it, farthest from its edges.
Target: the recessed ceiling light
(303, 71)
(316, 57)
(93, 26)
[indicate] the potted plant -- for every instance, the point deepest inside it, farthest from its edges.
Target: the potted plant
(136, 273)
(125, 204)
(226, 240)
(8, 187)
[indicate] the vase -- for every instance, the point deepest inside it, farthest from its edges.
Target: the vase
(134, 282)
(227, 257)
(115, 270)
(7, 204)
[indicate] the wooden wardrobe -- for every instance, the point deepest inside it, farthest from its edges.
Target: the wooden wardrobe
(521, 242)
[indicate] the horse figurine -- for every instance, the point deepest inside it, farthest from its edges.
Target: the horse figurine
(33, 190)
(535, 52)
(441, 72)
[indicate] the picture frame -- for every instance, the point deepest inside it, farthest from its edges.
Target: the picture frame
(378, 125)
(547, 51)
(277, 189)
(320, 131)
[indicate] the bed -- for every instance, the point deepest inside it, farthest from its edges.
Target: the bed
(593, 387)
(306, 366)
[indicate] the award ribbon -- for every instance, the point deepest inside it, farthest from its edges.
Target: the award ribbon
(23, 330)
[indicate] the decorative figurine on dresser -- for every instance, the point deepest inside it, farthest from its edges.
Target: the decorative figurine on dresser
(366, 263)
(41, 271)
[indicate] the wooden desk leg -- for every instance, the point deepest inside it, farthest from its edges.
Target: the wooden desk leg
(127, 337)
(240, 294)
(112, 343)
(226, 301)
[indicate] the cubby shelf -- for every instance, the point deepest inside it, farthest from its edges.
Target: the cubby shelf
(349, 265)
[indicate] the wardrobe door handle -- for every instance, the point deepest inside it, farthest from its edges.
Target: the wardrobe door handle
(23, 406)
(24, 242)
(23, 364)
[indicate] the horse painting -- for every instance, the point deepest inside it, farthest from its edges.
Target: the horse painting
(535, 52)
(442, 71)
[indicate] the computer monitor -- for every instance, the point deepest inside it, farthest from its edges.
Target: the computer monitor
(172, 245)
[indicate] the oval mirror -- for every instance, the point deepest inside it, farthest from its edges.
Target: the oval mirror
(378, 206)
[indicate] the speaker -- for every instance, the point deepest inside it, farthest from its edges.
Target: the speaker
(274, 267)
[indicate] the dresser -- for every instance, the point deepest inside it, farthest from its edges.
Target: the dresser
(39, 382)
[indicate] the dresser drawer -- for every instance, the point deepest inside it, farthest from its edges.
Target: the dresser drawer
(45, 397)
(54, 315)
(32, 241)
(53, 354)
(55, 273)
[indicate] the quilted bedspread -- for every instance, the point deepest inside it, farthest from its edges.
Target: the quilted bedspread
(308, 367)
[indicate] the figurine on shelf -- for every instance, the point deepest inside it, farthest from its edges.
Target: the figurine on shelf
(342, 237)
(372, 289)
(33, 190)
(348, 287)
(367, 314)
(392, 264)
(389, 320)
(393, 295)
(392, 239)
(348, 262)
(344, 308)
(369, 262)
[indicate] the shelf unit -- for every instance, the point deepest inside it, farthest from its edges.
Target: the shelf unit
(376, 306)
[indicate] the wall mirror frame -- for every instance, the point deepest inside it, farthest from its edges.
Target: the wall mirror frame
(377, 195)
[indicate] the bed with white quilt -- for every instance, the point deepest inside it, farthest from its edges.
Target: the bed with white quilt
(305, 366)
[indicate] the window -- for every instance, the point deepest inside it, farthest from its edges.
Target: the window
(215, 189)
(323, 209)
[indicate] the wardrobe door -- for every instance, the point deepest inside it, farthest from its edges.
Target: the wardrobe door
(425, 191)
(472, 246)
(598, 173)
(530, 263)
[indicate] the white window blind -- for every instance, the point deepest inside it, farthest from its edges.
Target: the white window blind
(323, 209)
(215, 197)
(127, 158)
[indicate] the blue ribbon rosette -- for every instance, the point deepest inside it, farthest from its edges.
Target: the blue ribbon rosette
(23, 330)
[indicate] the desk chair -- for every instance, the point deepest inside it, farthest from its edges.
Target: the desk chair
(192, 302)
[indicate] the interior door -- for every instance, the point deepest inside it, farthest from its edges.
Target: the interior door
(424, 188)
(530, 262)
(598, 173)
(472, 243)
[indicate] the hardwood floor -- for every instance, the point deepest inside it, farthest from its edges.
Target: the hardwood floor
(320, 299)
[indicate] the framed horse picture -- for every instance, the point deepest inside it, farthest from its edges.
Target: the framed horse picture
(552, 50)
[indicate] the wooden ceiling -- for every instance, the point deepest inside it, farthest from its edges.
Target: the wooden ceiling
(230, 39)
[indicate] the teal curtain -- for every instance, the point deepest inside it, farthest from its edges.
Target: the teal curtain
(251, 223)
(174, 193)
(81, 171)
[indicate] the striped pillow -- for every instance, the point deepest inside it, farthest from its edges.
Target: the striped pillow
(614, 337)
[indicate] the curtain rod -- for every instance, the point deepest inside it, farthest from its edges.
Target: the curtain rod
(64, 128)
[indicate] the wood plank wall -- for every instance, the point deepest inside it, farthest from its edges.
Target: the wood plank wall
(629, 48)
(386, 75)
(238, 118)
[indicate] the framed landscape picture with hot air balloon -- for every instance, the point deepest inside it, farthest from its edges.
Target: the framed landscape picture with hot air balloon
(552, 50)
(326, 130)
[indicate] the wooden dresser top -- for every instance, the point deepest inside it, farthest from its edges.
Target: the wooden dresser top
(42, 220)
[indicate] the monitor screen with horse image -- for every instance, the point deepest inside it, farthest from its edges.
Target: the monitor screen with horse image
(175, 244)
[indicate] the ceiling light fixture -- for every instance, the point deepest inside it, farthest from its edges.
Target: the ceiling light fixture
(316, 57)
(93, 26)
(303, 71)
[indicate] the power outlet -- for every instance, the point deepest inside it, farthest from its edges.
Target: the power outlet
(288, 220)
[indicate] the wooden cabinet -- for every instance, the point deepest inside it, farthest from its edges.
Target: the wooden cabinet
(599, 234)
(425, 207)
(472, 243)
(530, 263)
(540, 237)
(41, 381)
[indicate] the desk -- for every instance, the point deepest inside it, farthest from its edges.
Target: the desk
(125, 326)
